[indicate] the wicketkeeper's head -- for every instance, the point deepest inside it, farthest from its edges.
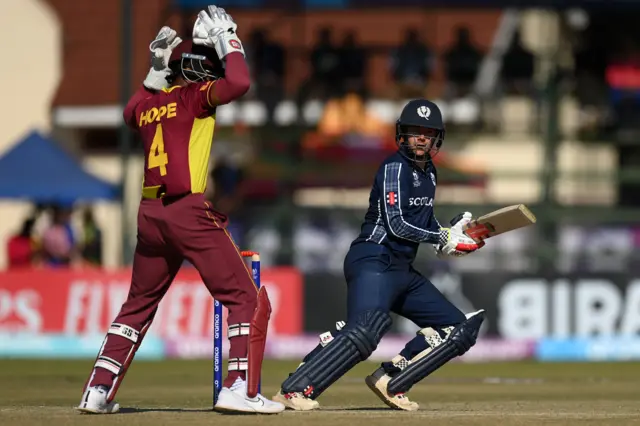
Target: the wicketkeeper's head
(195, 63)
(420, 130)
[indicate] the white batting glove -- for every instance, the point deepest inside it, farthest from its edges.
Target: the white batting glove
(461, 220)
(453, 241)
(216, 28)
(161, 48)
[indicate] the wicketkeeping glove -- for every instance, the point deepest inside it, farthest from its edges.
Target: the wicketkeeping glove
(215, 28)
(161, 48)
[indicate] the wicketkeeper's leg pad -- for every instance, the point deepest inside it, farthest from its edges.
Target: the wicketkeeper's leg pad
(116, 329)
(355, 343)
(117, 367)
(233, 331)
(257, 341)
(456, 341)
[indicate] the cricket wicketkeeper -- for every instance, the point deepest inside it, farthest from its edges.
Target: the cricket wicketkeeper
(381, 278)
(174, 113)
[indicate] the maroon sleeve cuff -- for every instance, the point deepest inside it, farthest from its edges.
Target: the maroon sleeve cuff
(235, 83)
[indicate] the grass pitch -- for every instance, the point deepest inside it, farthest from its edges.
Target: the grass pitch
(44, 392)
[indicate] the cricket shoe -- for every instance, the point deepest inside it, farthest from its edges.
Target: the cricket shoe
(235, 400)
(94, 401)
(296, 401)
(378, 382)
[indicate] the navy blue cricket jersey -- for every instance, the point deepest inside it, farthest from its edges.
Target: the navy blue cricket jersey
(400, 214)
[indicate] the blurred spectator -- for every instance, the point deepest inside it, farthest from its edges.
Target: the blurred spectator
(462, 62)
(231, 154)
(623, 80)
(92, 239)
(267, 59)
(591, 51)
(349, 115)
(347, 123)
(21, 247)
(58, 241)
(326, 76)
(411, 66)
(353, 63)
(518, 68)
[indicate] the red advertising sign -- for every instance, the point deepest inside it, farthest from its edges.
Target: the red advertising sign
(86, 301)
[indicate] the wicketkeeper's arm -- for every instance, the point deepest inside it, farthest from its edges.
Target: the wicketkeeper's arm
(216, 29)
(234, 84)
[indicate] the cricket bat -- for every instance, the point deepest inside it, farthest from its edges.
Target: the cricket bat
(500, 221)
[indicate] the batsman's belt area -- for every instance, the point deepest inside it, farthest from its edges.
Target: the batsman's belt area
(44, 392)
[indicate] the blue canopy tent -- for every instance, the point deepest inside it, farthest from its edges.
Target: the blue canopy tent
(39, 170)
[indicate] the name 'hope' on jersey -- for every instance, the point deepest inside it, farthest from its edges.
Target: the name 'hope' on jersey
(400, 214)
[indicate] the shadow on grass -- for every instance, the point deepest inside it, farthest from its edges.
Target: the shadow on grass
(137, 410)
(134, 410)
(359, 409)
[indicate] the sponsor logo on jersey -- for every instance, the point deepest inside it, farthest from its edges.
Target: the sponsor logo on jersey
(421, 201)
(391, 198)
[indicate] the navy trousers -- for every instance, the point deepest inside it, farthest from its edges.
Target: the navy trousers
(378, 282)
(374, 281)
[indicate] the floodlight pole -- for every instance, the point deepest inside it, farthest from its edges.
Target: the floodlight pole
(125, 137)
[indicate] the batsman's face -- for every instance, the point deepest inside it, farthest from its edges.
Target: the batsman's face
(421, 140)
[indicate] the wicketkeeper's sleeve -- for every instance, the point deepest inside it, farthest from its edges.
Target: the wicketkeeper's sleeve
(203, 98)
(129, 112)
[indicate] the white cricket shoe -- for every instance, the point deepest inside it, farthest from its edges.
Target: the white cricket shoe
(94, 401)
(235, 400)
(296, 401)
(378, 382)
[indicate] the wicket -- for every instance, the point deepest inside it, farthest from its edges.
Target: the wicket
(217, 326)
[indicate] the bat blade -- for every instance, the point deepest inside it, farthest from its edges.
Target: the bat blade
(500, 221)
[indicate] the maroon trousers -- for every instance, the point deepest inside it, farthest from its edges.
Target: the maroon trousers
(169, 231)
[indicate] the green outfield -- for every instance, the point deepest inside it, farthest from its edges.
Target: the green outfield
(179, 393)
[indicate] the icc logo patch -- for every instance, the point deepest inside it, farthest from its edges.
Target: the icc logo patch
(391, 198)
(416, 179)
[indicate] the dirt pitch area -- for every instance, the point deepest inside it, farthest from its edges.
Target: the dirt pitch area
(44, 392)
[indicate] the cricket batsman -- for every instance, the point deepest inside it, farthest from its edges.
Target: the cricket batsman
(381, 279)
(174, 113)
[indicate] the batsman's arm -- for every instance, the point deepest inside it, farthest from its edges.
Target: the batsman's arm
(129, 113)
(413, 223)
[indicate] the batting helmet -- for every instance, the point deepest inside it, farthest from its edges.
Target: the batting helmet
(419, 113)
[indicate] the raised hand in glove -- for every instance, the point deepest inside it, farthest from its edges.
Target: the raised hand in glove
(161, 48)
(215, 28)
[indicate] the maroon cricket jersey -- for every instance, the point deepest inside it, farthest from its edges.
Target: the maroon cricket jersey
(176, 126)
